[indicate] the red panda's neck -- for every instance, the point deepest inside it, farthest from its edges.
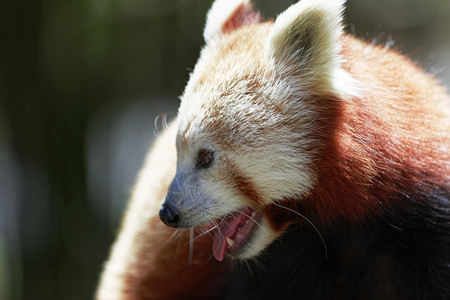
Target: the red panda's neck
(347, 167)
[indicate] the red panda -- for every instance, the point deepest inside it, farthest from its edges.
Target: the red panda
(307, 164)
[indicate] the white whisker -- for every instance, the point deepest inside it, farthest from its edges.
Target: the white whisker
(310, 223)
(207, 231)
(249, 268)
(191, 246)
(192, 186)
(260, 264)
(177, 251)
(174, 235)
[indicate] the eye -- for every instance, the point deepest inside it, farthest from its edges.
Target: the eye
(204, 159)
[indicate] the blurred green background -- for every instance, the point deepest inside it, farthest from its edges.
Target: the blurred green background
(81, 83)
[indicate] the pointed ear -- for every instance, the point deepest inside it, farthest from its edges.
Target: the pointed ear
(306, 37)
(228, 15)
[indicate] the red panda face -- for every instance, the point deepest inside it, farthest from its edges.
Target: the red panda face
(246, 126)
(236, 150)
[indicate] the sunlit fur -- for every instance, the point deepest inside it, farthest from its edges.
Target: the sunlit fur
(260, 110)
(151, 185)
(226, 15)
(145, 246)
(314, 129)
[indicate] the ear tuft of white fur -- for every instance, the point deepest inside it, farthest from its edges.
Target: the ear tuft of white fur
(306, 37)
(322, 17)
(223, 12)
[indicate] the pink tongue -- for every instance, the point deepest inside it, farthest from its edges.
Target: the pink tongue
(227, 228)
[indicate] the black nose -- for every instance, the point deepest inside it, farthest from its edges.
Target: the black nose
(169, 215)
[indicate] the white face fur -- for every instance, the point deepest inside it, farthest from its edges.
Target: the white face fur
(246, 120)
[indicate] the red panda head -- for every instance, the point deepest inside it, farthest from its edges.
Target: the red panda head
(248, 124)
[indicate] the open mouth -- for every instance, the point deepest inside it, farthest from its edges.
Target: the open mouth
(234, 231)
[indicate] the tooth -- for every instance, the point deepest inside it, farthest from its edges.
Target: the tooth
(230, 242)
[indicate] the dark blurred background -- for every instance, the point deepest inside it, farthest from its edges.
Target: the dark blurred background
(81, 83)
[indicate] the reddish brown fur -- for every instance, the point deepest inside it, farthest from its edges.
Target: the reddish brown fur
(243, 15)
(243, 184)
(246, 187)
